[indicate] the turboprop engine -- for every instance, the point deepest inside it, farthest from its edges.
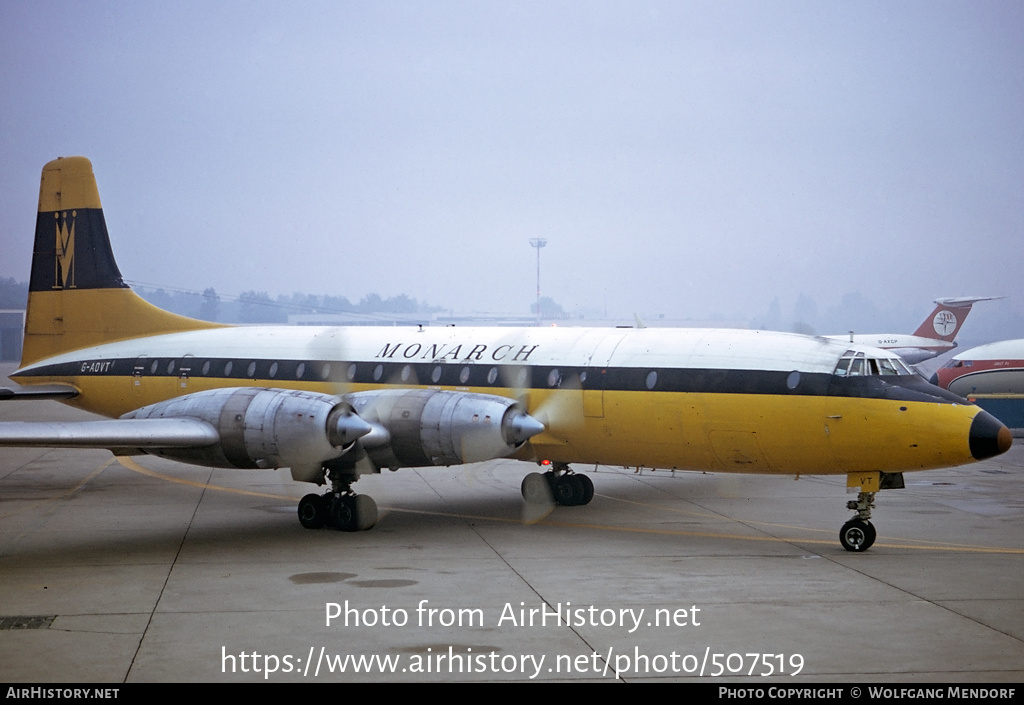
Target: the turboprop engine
(263, 428)
(422, 427)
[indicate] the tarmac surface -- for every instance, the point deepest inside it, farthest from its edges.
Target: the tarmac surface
(146, 570)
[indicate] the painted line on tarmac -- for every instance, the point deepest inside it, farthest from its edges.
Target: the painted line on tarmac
(911, 544)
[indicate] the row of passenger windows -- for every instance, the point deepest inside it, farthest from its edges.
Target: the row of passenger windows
(857, 364)
(852, 364)
(508, 377)
(516, 377)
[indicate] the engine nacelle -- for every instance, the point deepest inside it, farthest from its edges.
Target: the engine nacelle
(423, 427)
(263, 428)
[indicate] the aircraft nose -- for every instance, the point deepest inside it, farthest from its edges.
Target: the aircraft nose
(988, 436)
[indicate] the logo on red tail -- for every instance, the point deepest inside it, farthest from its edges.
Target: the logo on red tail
(944, 322)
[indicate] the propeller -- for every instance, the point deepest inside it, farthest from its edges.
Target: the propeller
(558, 406)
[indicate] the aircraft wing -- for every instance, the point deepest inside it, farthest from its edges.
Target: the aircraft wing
(110, 433)
(38, 391)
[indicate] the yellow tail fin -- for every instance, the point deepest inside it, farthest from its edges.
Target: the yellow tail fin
(77, 297)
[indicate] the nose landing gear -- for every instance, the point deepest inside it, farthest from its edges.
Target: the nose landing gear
(858, 534)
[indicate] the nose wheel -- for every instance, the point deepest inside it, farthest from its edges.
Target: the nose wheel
(858, 534)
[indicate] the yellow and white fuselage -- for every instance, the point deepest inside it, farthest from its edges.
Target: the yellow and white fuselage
(333, 403)
(727, 400)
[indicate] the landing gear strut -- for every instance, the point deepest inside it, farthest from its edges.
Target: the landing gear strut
(560, 485)
(858, 534)
(340, 508)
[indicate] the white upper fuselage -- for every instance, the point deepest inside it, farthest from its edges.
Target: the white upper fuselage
(499, 347)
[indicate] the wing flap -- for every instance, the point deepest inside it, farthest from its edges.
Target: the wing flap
(113, 433)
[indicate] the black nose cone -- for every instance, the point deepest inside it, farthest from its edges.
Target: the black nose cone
(989, 436)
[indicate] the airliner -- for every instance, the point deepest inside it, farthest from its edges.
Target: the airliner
(335, 403)
(936, 334)
(992, 376)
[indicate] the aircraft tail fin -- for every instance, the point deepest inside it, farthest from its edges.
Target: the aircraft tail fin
(77, 297)
(949, 314)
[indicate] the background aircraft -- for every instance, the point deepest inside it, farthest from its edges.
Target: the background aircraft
(935, 336)
(990, 375)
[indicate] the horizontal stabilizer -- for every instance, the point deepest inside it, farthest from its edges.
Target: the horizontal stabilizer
(38, 391)
(961, 301)
(114, 433)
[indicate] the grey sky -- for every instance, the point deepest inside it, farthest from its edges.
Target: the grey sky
(685, 158)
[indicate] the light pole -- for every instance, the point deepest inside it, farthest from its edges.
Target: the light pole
(538, 242)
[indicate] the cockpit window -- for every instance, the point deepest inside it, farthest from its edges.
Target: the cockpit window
(857, 368)
(858, 364)
(902, 367)
(886, 367)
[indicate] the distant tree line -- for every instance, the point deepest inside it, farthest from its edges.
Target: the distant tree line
(250, 307)
(549, 308)
(258, 306)
(13, 294)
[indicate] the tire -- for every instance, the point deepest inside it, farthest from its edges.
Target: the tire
(857, 535)
(588, 488)
(535, 489)
(343, 514)
(567, 491)
(365, 512)
(312, 511)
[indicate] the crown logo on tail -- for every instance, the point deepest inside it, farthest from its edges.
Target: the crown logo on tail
(64, 251)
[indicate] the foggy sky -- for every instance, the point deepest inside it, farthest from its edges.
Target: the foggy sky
(690, 159)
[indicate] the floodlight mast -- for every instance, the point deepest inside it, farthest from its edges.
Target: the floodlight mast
(538, 242)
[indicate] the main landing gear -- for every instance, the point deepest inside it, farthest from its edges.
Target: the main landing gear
(858, 534)
(560, 485)
(341, 508)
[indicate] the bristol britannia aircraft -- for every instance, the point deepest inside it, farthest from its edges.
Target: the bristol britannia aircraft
(333, 403)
